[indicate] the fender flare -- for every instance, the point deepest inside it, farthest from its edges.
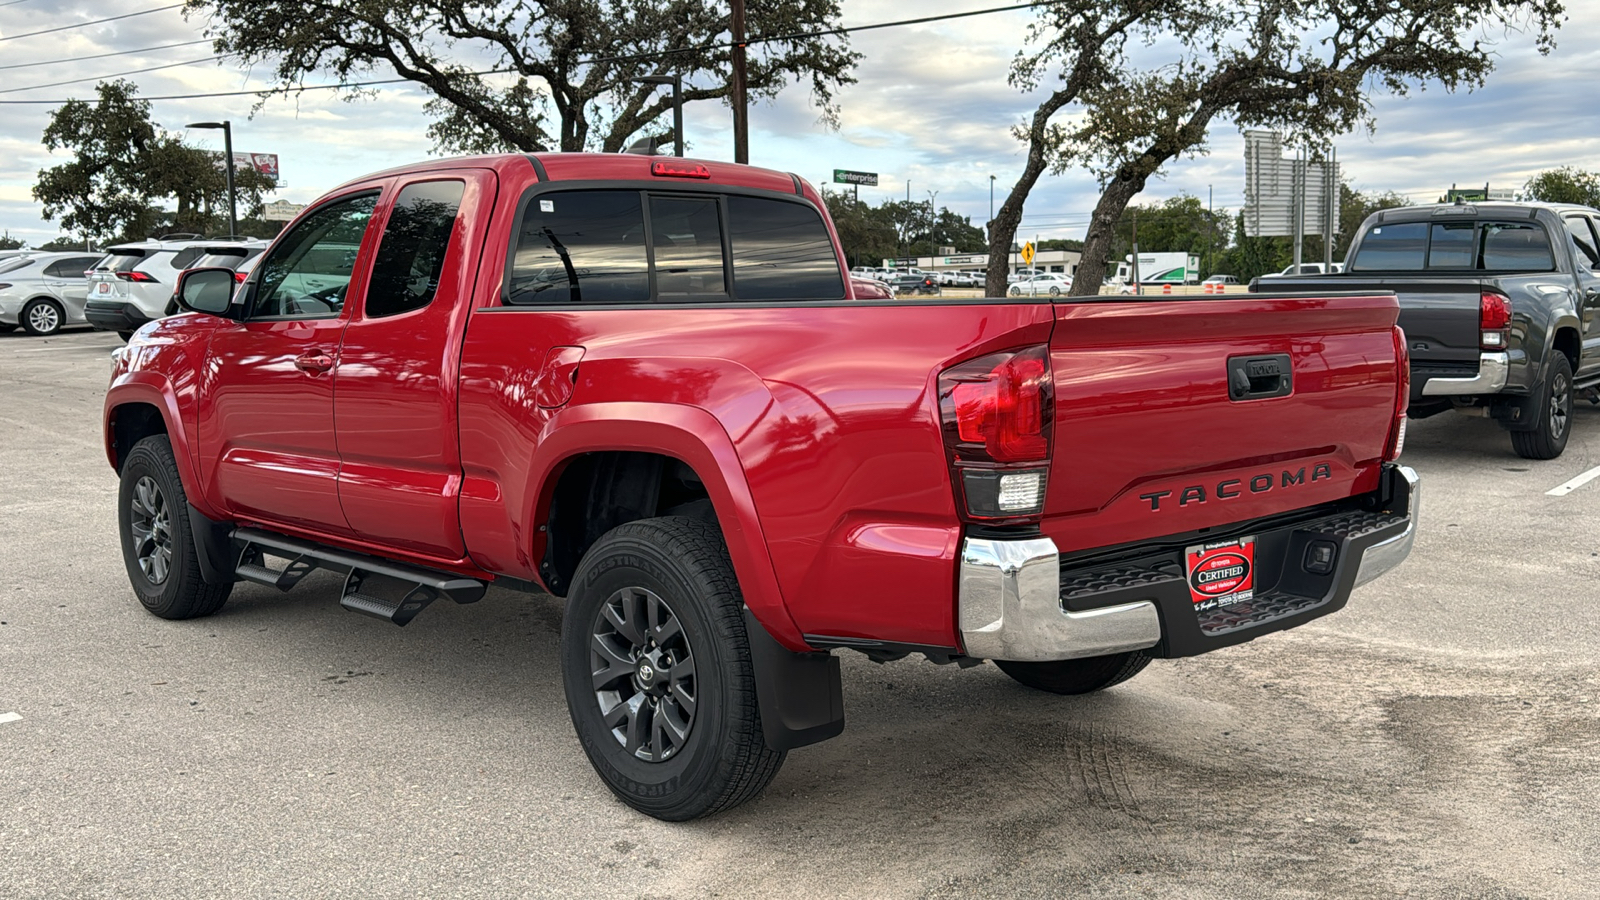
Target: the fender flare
(697, 438)
(154, 390)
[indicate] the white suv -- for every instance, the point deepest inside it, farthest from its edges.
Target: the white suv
(132, 283)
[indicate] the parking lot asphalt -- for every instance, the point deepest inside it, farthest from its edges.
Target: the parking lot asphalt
(1437, 738)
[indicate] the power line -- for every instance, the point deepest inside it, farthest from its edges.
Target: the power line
(34, 87)
(828, 32)
(146, 12)
(57, 62)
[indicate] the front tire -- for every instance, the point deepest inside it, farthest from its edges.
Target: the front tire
(41, 317)
(1077, 676)
(657, 670)
(1552, 419)
(157, 546)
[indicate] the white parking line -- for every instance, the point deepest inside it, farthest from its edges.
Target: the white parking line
(9, 717)
(1561, 490)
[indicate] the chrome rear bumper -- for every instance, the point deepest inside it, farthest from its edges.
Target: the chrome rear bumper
(1009, 604)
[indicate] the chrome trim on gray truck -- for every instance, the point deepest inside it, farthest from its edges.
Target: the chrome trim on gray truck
(1009, 608)
(1385, 555)
(1493, 369)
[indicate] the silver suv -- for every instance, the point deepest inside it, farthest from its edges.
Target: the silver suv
(132, 283)
(42, 292)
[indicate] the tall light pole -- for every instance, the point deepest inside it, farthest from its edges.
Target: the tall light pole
(741, 112)
(677, 107)
(227, 153)
(932, 224)
(991, 199)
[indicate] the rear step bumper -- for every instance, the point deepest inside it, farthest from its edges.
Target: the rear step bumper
(1017, 602)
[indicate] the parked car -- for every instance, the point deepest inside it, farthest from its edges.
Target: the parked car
(132, 283)
(1221, 279)
(1498, 302)
(1306, 268)
(1054, 285)
(726, 475)
(914, 283)
(870, 289)
(44, 292)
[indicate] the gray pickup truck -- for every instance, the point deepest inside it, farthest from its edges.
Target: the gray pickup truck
(1498, 302)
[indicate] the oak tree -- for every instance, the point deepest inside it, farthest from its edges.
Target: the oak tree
(565, 73)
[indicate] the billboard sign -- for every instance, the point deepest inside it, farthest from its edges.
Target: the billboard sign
(1274, 186)
(845, 176)
(265, 163)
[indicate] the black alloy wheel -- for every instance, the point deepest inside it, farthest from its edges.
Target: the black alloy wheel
(644, 678)
(151, 530)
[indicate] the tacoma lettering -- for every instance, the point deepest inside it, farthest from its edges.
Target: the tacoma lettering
(1233, 487)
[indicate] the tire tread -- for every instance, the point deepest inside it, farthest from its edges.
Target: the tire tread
(195, 597)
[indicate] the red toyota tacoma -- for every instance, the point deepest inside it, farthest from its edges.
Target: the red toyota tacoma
(648, 387)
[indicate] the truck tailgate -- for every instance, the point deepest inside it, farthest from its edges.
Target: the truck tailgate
(1149, 442)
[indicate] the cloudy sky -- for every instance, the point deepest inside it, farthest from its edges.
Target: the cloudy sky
(932, 106)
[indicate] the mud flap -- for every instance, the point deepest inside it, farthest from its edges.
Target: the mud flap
(213, 548)
(801, 694)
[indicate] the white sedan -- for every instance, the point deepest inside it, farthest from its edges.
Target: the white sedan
(1054, 285)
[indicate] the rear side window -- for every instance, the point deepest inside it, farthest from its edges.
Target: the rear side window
(1389, 248)
(581, 247)
(71, 267)
(1583, 238)
(1519, 246)
(781, 251)
(415, 240)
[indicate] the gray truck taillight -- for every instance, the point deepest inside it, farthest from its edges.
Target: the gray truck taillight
(1494, 321)
(995, 413)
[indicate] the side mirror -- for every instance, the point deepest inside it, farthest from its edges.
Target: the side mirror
(208, 290)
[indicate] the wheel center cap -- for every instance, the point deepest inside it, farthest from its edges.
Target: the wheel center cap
(646, 673)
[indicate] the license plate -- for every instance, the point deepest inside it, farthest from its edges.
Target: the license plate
(102, 288)
(1221, 573)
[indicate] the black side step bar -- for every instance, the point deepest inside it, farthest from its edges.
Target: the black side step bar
(306, 557)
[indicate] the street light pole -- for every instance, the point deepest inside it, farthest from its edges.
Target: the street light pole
(932, 226)
(741, 114)
(227, 152)
(991, 199)
(676, 81)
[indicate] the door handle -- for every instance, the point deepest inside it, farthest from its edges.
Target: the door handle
(1259, 377)
(313, 364)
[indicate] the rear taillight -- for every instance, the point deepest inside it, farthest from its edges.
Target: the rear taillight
(1494, 321)
(1402, 398)
(995, 412)
(138, 277)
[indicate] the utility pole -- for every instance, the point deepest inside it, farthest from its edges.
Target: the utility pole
(1210, 223)
(932, 227)
(1299, 187)
(741, 113)
(1134, 271)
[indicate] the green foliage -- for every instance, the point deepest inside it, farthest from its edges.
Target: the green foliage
(1180, 223)
(1565, 185)
(7, 242)
(569, 69)
(64, 242)
(124, 169)
(1062, 244)
(896, 228)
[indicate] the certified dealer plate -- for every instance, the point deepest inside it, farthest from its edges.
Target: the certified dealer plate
(1221, 573)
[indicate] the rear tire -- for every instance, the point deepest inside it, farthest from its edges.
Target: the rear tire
(157, 546)
(657, 670)
(1552, 418)
(1077, 676)
(42, 317)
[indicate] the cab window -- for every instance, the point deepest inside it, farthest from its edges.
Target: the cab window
(307, 274)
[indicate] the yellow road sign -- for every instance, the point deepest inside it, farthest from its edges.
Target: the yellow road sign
(1027, 254)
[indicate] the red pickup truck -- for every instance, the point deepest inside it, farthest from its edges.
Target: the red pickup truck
(647, 386)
